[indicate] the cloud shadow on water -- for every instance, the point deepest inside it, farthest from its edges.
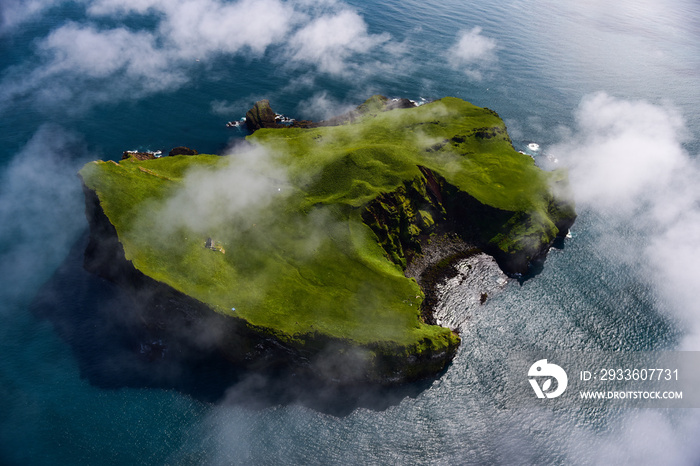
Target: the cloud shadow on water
(115, 349)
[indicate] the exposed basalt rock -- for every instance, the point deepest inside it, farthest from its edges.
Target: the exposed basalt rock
(261, 116)
(400, 103)
(138, 155)
(437, 264)
(303, 124)
(403, 218)
(561, 205)
(191, 325)
(182, 150)
(437, 146)
(428, 225)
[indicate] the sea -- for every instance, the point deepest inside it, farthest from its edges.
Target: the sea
(608, 90)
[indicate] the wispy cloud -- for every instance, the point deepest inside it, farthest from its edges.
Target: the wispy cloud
(85, 62)
(472, 51)
(13, 13)
(321, 106)
(625, 152)
(87, 51)
(628, 163)
(249, 181)
(39, 195)
(328, 41)
(198, 28)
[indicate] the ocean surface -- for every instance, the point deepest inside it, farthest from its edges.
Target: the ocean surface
(608, 89)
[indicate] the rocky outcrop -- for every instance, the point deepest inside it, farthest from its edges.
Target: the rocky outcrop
(261, 116)
(428, 225)
(304, 124)
(401, 218)
(399, 103)
(182, 150)
(138, 155)
(406, 217)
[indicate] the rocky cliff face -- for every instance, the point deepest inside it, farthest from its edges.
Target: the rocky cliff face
(406, 217)
(182, 150)
(138, 155)
(261, 116)
(428, 225)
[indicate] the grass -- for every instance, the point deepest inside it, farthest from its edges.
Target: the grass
(305, 263)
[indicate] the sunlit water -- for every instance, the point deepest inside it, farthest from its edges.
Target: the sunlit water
(547, 58)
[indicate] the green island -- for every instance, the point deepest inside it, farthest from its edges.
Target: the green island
(311, 254)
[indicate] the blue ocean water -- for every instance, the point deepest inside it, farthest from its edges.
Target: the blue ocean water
(623, 282)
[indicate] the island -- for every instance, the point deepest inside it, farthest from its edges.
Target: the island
(299, 247)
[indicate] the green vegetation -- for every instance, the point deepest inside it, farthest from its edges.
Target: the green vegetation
(310, 259)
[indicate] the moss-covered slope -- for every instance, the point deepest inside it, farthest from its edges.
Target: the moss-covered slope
(320, 257)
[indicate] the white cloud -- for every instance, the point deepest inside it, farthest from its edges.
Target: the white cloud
(15, 12)
(39, 198)
(330, 40)
(641, 436)
(112, 7)
(83, 63)
(211, 198)
(99, 53)
(201, 27)
(624, 152)
(627, 162)
(197, 28)
(321, 106)
(471, 50)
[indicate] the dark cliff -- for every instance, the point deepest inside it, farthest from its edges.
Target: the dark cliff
(261, 116)
(404, 218)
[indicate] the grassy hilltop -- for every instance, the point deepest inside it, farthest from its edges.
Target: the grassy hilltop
(334, 213)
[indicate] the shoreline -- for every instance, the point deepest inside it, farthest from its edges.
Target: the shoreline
(456, 278)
